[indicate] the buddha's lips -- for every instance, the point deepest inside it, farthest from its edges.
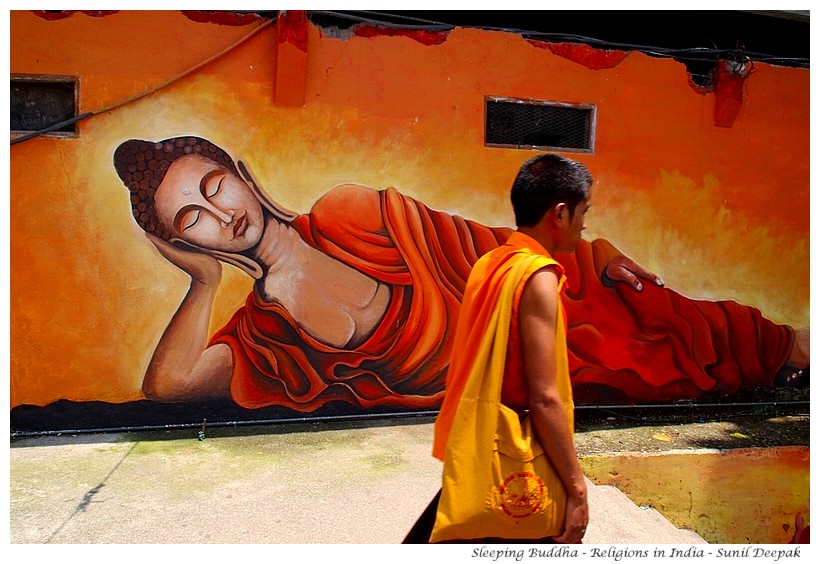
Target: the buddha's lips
(239, 227)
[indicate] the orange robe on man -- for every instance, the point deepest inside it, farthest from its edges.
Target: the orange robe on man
(625, 347)
(480, 306)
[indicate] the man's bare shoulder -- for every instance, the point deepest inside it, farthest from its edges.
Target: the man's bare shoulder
(541, 287)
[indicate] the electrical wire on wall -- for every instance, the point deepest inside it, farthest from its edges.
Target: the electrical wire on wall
(385, 19)
(389, 20)
(145, 93)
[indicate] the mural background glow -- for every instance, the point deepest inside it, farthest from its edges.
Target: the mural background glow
(718, 213)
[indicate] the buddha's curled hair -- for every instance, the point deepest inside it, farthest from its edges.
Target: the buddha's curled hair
(141, 165)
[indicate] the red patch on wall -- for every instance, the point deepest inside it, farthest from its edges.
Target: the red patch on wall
(422, 36)
(595, 59)
(52, 15)
(293, 29)
(219, 17)
(729, 79)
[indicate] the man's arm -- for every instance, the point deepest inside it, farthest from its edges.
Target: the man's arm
(539, 316)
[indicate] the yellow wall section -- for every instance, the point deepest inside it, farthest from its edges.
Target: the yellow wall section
(738, 496)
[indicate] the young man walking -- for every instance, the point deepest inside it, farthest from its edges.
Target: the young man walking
(550, 198)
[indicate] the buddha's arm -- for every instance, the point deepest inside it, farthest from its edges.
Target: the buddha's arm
(612, 266)
(183, 367)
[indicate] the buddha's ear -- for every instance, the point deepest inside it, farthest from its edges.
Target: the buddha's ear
(243, 263)
(278, 212)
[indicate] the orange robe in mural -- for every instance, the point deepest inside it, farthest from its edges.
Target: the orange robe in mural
(625, 346)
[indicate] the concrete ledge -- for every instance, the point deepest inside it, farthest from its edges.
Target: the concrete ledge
(615, 519)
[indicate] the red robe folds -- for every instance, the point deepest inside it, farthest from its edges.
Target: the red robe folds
(625, 347)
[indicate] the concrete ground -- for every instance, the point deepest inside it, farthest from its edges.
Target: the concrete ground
(303, 486)
(344, 483)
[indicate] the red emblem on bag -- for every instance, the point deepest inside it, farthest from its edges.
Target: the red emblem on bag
(521, 495)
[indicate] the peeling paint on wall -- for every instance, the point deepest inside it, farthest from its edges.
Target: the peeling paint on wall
(590, 57)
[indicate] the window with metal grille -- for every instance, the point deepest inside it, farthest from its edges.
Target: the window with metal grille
(40, 102)
(536, 124)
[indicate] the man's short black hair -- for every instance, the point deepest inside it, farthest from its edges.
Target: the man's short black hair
(544, 181)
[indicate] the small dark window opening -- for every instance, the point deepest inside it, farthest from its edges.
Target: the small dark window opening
(39, 102)
(534, 124)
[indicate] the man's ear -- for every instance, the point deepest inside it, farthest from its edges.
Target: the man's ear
(561, 212)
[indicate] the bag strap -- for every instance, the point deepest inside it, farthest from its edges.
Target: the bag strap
(491, 361)
(475, 422)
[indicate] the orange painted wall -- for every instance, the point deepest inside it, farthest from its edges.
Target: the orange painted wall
(717, 212)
